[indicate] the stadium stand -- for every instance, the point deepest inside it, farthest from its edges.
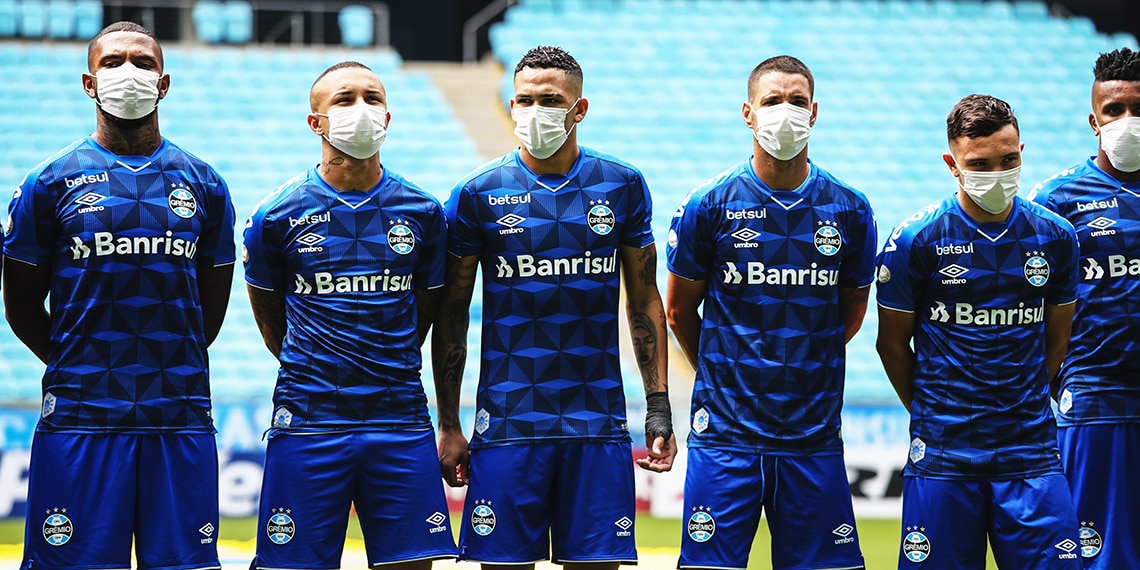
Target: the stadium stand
(666, 80)
(242, 109)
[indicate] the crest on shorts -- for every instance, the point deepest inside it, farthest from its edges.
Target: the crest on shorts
(916, 547)
(281, 528)
(483, 518)
(1091, 541)
(58, 527)
(701, 526)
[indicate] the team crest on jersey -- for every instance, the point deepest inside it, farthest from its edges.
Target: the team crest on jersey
(400, 238)
(601, 218)
(701, 525)
(482, 421)
(48, 405)
(182, 202)
(483, 518)
(1091, 541)
(1036, 270)
(828, 239)
(282, 417)
(281, 528)
(672, 238)
(884, 274)
(1066, 402)
(916, 547)
(57, 527)
(701, 420)
(917, 450)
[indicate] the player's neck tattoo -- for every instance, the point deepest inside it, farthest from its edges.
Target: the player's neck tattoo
(139, 137)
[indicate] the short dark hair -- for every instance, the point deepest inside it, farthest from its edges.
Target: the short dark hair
(979, 116)
(1118, 65)
(783, 64)
(550, 57)
(339, 66)
(123, 26)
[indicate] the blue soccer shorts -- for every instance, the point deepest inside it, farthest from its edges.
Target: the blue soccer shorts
(90, 495)
(1102, 462)
(573, 500)
(1030, 523)
(808, 504)
(312, 480)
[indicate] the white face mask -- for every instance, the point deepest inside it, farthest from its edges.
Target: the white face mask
(126, 91)
(782, 130)
(542, 130)
(1120, 141)
(357, 131)
(992, 191)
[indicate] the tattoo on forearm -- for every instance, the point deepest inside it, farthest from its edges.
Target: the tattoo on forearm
(644, 333)
(648, 273)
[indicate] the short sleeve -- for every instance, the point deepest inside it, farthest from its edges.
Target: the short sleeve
(262, 255)
(464, 237)
(638, 230)
(31, 229)
(216, 244)
(858, 267)
(690, 252)
(1064, 289)
(895, 274)
(431, 265)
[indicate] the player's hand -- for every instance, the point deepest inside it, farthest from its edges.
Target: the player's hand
(659, 454)
(453, 457)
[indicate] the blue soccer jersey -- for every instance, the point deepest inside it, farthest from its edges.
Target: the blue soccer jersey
(124, 236)
(348, 263)
(771, 356)
(1099, 378)
(979, 292)
(549, 246)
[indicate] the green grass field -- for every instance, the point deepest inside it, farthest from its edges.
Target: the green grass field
(879, 539)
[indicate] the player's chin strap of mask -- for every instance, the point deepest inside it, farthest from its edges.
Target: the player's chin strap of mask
(658, 416)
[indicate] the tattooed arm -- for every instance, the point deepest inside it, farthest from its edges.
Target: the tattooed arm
(449, 355)
(269, 312)
(427, 304)
(650, 344)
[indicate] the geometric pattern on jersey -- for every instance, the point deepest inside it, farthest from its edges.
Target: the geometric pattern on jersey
(1099, 379)
(124, 236)
(978, 292)
(771, 357)
(550, 250)
(348, 263)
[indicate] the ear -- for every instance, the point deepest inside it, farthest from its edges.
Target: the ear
(315, 125)
(951, 163)
(746, 112)
(511, 104)
(580, 109)
(814, 113)
(163, 86)
(89, 85)
(1093, 124)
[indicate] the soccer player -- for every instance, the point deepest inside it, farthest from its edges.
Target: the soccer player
(130, 239)
(1098, 415)
(983, 282)
(781, 255)
(556, 228)
(343, 264)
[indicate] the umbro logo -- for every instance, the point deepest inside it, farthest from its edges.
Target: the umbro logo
(953, 271)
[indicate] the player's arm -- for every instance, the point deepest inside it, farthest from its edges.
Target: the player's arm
(896, 328)
(427, 304)
(683, 300)
(449, 355)
(25, 289)
(646, 315)
(852, 309)
(214, 282)
(1058, 326)
(269, 313)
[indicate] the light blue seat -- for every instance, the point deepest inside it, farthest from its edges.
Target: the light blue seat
(238, 18)
(61, 19)
(9, 10)
(356, 25)
(88, 18)
(209, 21)
(33, 18)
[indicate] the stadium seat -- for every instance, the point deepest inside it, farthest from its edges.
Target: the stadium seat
(9, 9)
(239, 21)
(209, 21)
(88, 18)
(356, 26)
(61, 19)
(33, 18)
